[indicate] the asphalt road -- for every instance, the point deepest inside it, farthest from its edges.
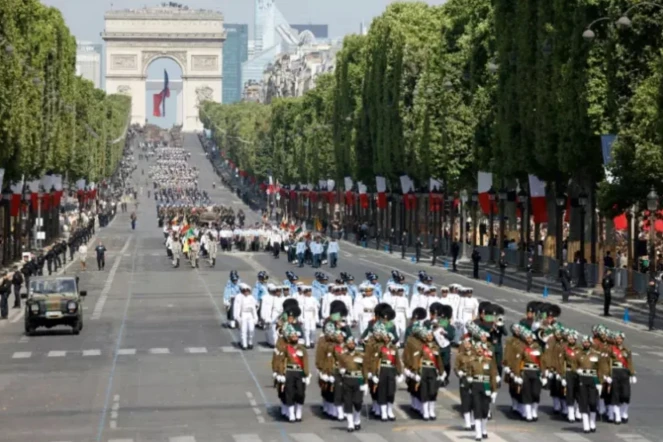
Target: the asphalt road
(154, 364)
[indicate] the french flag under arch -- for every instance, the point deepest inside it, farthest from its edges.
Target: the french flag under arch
(160, 98)
(485, 182)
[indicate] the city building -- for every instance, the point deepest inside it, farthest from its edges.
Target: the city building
(88, 61)
(235, 52)
(320, 32)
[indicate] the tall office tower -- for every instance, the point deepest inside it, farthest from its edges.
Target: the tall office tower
(88, 61)
(235, 52)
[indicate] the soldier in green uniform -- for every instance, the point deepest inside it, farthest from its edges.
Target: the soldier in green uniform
(463, 369)
(527, 374)
(592, 372)
(385, 370)
(354, 373)
(445, 333)
(567, 366)
(483, 371)
(293, 374)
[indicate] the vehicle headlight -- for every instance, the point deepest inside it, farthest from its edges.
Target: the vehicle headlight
(71, 306)
(34, 308)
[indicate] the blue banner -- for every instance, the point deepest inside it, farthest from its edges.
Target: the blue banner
(606, 146)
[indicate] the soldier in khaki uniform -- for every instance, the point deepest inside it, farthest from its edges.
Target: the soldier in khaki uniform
(324, 364)
(385, 370)
(354, 373)
(412, 349)
(463, 369)
(592, 371)
(290, 314)
(293, 373)
(511, 348)
(527, 373)
(569, 376)
(622, 375)
(426, 369)
(483, 372)
(599, 343)
(550, 365)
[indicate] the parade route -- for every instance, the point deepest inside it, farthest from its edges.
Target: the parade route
(154, 363)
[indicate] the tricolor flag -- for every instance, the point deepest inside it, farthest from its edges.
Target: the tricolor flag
(160, 98)
(485, 182)
(537, 193)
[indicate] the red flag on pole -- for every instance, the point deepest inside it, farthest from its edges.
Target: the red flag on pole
(156, 112)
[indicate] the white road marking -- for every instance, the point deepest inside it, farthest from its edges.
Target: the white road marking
(253, 403)
(126, 351)
(347, 254)
(246, 438)
(262, 349)
(230, 350)
(182, 439)
(571, 437)
(22, 355)
(628, 437)
(91, 352)
(57, 354)
(18, 317)
(99, 306)
(656, 353)
(306, 437)
(121, 440)
(24, 339)
(195, 350)
(159, 351)
(249, 394)
(371, 437)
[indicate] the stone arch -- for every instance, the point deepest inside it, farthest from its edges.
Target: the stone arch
(179, 57)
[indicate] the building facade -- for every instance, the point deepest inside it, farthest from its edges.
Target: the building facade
(88, 62)
(235, 52)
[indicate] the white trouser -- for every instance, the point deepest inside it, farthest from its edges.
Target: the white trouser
(247, 328)
(401, 324)
(309, 326)
(364, 320)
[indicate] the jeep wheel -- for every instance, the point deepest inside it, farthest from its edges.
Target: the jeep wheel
(76, 327)
(29, 328)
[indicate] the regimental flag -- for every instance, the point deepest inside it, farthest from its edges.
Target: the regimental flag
(159, 100)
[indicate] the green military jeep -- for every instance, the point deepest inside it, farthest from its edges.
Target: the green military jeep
(52, 301)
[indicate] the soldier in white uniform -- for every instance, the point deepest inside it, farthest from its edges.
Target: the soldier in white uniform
(212, 247)
(364, 307)
(468, 310)
(270, 310)
(310, 311)
(245, 312)
(401, 306)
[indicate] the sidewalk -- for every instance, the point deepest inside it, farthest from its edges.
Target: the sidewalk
(514, 278)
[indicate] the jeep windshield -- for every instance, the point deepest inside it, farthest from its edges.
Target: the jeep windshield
(53, 287)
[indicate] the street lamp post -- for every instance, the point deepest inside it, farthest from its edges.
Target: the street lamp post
(560, 199)
(652, 206)
(452, 219)
(475, 203)
(463, 223)
(582, 202)
(524, 218)
(491, 235)
(503, 194)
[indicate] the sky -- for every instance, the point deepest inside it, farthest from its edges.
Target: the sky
(85, 18)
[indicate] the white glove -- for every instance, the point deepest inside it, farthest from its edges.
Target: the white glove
(633, 380)
(469, 378)
(506, 370)
(370, 376)
(519, 380)
(375, 380)
(563, 382)
(417, 378)
(498, 379)
(341, 370)
(546, 374)
(275, 375)
(559, 377)
(608, 380)
(599, 387)
(489, 393)
(364, 388)
(551, 375)
(579, 371)
(282, 379)
(307, 380)
(226, 305)
(400, 379)
(544, 382)
(493, 396)
(461, 374)
(443, 376)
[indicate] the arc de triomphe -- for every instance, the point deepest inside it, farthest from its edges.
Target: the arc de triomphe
(192, 38)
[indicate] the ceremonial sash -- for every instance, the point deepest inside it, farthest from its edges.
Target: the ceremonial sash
(618, 354)
(569, 352)
(338, 349)
(293, 354)
(427, 351)
(536, 359)
(387, 354)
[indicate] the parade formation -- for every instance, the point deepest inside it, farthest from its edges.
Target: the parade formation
(364, 340)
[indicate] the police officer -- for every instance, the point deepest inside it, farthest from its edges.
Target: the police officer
(476, 257)
(652, 299)
(502, 265)
(607, 283)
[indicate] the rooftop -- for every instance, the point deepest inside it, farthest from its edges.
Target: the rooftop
(164, 12)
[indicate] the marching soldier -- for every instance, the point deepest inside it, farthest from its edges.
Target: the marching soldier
(293, 374)
(551, 366)
(212, 249)
(232, 289)
(176, 249)
(354, 373)
(592, 371)
(444, 334)
(621, 377)
(463, 369)
(364, 306)
(426, 369)
(385, 369)
(483, 371)
(568, 367)
(527, 375)
(245, 311)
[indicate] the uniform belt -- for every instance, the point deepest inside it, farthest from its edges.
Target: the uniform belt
(617, 365)
(588, 372)
(354, 374)
(481, 378)
(532, 367)
(386, 364)
(428, 363)
(368, 310)
(293, 367)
